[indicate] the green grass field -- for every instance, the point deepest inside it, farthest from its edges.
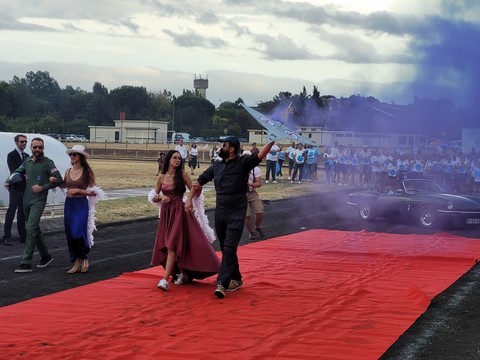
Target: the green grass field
(122, 174)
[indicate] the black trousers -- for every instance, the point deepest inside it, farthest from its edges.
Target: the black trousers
(229, 231)
(15, 205)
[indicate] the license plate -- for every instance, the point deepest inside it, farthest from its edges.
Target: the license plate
(473, 221)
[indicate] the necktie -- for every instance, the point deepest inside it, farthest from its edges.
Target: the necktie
(24, 156)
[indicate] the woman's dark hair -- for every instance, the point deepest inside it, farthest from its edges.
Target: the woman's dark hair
(88, 175)
(178, 181)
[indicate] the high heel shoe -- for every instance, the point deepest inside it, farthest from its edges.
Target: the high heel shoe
(84, 267)
(75, 268)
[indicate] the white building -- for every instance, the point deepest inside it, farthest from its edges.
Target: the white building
(328, 138)
(132, 131)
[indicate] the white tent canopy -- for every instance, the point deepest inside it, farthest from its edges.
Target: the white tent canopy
(54, 150)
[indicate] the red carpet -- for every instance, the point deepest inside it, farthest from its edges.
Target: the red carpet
(317, 294)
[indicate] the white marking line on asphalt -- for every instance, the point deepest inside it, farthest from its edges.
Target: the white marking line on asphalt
(91, 262)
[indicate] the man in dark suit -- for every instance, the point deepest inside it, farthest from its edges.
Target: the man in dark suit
(15, 158)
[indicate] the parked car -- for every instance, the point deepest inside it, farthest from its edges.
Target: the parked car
(198, 139)
(421, 200)
(243, 140)
(76, 138)
(71, 137)
(181, 136)
(59, 137)
(212, 139)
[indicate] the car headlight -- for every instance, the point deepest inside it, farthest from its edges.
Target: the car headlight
(449, 205)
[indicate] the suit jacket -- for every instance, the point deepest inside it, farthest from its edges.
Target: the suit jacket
(14, 160)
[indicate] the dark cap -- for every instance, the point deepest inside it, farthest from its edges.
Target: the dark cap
(232, 140)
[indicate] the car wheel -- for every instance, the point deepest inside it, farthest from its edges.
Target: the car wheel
(366, 212)
(427, 217)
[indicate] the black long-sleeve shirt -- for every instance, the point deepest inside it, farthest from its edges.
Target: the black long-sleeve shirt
(231, 183)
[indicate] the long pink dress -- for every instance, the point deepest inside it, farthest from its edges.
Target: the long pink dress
(181, 233)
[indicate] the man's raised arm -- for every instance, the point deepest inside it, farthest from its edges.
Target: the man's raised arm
(265, 150)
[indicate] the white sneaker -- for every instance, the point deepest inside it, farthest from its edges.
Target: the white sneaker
(274, 182)
(288, 178)
(266, 182)
(181, 279)
(291, 182)
(163, 284)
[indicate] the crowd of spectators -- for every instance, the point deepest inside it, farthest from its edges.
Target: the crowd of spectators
(453, 170)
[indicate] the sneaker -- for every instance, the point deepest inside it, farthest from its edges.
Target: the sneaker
(7, 241)
(234, 285)
(266, 182)
(24, 268)
(299, 182)
(288, 178)
(219, 291)
(182, 279)
(274, 182)
(163, 284)
(252, 236)
(291, 182)
(45, 261)
(260, 232)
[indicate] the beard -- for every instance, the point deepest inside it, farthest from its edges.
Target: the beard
(223, 154)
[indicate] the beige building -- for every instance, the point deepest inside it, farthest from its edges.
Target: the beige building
(131, 131)
(328, 138)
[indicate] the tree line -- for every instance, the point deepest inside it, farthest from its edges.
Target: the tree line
(36, 103)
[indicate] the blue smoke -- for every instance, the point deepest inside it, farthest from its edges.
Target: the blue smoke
(448, 58)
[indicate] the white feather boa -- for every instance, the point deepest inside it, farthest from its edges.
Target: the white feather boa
(199, 213)
(92, 201)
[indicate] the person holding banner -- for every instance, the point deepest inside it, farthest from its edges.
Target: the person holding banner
(231, 185)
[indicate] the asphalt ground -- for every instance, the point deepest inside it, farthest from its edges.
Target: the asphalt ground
(449, 329)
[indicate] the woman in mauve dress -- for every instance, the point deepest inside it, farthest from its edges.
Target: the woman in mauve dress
(181, 245)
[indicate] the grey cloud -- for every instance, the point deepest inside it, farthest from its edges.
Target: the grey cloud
(104, 10)
(281, 47)
(240, 2)
(350, 48)
(185, 9)
(380, 21)
(207, 17)
(237, 29)
(192, 39)
(9, 23)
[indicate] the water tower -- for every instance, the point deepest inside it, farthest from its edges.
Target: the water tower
(201, 85)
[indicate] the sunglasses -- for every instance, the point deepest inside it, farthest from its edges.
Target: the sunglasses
(40, 147)
(73, 154)
(23, 141)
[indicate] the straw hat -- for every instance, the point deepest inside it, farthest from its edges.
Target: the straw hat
(80, 149)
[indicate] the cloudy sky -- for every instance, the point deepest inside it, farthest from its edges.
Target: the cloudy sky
(250, 48)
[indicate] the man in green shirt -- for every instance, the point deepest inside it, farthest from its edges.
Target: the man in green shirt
(41, 175)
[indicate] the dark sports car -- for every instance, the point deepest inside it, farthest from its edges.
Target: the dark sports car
(422, 200)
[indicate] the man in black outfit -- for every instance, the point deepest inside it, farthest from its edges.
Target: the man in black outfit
(230, 177)
(15, 158)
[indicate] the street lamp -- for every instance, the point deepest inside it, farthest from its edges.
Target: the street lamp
(173, 115)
